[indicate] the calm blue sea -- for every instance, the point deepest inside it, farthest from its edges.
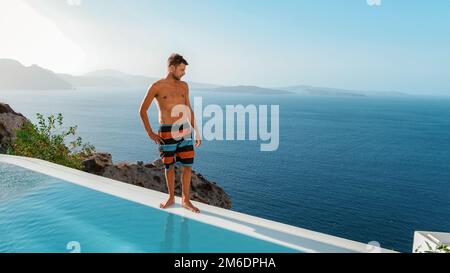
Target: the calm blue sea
(363, 168)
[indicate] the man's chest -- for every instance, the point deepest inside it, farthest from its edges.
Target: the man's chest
(171, 95)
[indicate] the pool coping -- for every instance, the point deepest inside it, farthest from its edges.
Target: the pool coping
(289, 236)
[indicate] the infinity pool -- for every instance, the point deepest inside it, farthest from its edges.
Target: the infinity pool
(46, 207)
(40, 213)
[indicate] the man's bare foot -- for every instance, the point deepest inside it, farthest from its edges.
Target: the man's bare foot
(168, 203)
(188, 205)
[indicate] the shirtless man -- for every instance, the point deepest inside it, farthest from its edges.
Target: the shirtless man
(174, 136)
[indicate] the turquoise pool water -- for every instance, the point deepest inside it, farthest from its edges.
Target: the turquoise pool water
(39, 213)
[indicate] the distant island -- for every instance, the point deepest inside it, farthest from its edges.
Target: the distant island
(118, 79)
(249, 89)
(15, 76)
(327, 91)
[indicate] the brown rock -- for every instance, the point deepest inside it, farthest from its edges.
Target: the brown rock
(10, 121)
(97, 163)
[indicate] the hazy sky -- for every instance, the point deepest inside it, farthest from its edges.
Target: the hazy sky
(399, 45)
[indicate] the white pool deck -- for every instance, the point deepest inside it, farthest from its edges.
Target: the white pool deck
(289, 236)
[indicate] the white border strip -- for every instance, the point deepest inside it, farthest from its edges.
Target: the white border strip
(285, 235)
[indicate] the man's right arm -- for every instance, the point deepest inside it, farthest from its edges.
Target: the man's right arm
(151, 93)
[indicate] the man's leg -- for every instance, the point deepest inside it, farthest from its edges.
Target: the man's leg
(170, 181)
(186, 182)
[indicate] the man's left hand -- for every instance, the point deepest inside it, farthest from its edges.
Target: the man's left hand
(198, 142)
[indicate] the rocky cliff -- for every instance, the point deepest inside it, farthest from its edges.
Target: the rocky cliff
(151, 176)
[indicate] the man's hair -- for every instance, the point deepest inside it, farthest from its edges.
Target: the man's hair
(176, 59)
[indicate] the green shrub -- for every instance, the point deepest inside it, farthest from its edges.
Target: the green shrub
(441, 248)
(47, 141)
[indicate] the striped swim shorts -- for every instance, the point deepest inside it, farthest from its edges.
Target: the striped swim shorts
(178, 146)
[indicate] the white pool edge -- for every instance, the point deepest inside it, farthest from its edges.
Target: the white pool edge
(289, 236)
